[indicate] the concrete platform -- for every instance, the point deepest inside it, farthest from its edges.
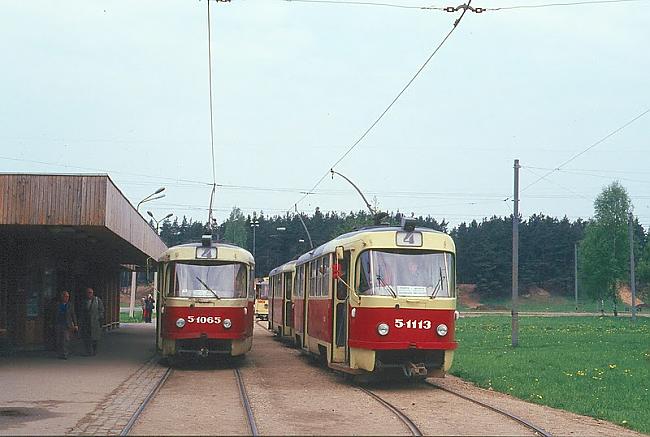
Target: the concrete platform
(40, 394)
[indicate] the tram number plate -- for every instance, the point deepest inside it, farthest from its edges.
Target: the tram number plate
(413, 324)
(203, 320)
(408, 239)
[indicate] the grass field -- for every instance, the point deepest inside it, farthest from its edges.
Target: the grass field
(137, 317)
(598, 367)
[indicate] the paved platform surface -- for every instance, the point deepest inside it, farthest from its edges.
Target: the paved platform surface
(41, 394)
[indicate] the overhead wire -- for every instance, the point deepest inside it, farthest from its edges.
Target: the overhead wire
(214, 171)
(381, 116)
(582, 152)
(456, 8)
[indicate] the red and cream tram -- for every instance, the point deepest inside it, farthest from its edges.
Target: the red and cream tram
(280, 295)
(262, 298)
(206, 300)
(377, 299)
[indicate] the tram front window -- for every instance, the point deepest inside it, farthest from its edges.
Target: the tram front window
(210, 281)
(406, 274)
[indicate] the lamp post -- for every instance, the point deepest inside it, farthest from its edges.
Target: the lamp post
(158, 221)
(150, 197)
(255, 223)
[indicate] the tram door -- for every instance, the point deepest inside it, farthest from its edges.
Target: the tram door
(340, 277)
(288, 313)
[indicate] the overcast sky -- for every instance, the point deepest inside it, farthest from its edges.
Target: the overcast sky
(121, 87)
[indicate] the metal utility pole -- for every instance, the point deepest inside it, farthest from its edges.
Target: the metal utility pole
(630, 225)
(255, 223)
(575, 272)
(515, 259)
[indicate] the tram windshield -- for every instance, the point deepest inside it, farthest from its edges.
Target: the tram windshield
(221, 281)
(406, 274)
(262, 290)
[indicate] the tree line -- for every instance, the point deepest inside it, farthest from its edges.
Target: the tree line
(484, 248)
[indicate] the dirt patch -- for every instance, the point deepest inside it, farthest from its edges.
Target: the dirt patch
(625, 294)
(556, 422)
(468, 297)
(537, 293)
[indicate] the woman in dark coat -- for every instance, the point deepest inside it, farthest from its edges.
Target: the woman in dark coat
(65, 323)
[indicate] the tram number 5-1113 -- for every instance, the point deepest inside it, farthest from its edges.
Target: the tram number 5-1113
(413, 324)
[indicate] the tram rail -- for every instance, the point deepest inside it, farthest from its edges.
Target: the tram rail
(127, 428)
(538, 430)
(243, 394)
(412, 427)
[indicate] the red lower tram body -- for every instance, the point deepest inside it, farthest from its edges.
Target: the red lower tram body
(418, 341)
(207, 330)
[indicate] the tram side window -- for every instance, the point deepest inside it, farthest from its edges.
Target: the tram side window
(319, 277)
(297, 285)
(325, 268)
(312, 278)
(251, 284)
(287, 285)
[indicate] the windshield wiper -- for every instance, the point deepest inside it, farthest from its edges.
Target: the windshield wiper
(206, 286)
(438, 286)
(385, 285)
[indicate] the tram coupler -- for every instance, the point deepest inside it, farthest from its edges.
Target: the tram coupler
(413, 369)
(204, 352)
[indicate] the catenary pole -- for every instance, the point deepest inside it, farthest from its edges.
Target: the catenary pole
(575, 272)
(630, 223)
(515, 259)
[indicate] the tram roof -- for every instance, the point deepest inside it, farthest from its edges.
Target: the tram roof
(358, 234)
(225, 252)
(286, 267)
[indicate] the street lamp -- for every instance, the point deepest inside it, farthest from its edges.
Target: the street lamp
(151, 197)
(158, 221)
(255, 223)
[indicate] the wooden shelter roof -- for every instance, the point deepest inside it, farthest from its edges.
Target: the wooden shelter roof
(78, 206)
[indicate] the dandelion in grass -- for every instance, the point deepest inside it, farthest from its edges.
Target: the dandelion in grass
(612, 366)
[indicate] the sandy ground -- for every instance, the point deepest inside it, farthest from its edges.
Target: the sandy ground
(291, 395)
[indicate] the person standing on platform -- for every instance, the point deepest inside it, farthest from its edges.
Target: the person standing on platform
(91, 319)
(149, 304)
(65, 323)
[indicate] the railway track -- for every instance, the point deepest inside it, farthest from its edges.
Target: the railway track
(151, 395)
(538, 430)
(412, 427)
(243, 394)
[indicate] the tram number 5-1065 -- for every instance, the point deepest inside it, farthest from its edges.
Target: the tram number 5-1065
(203, 319)
(413, 324)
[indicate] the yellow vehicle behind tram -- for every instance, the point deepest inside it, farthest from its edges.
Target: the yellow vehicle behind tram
(262, 298)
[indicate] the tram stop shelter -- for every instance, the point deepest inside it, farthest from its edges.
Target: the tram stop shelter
(63, 232)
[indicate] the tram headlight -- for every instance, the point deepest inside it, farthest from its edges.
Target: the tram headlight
(442, 329)
(180, 322)
(382, 329)
(227, 323)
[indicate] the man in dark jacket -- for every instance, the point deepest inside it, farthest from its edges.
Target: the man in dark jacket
(91, 320)
(65, 322)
